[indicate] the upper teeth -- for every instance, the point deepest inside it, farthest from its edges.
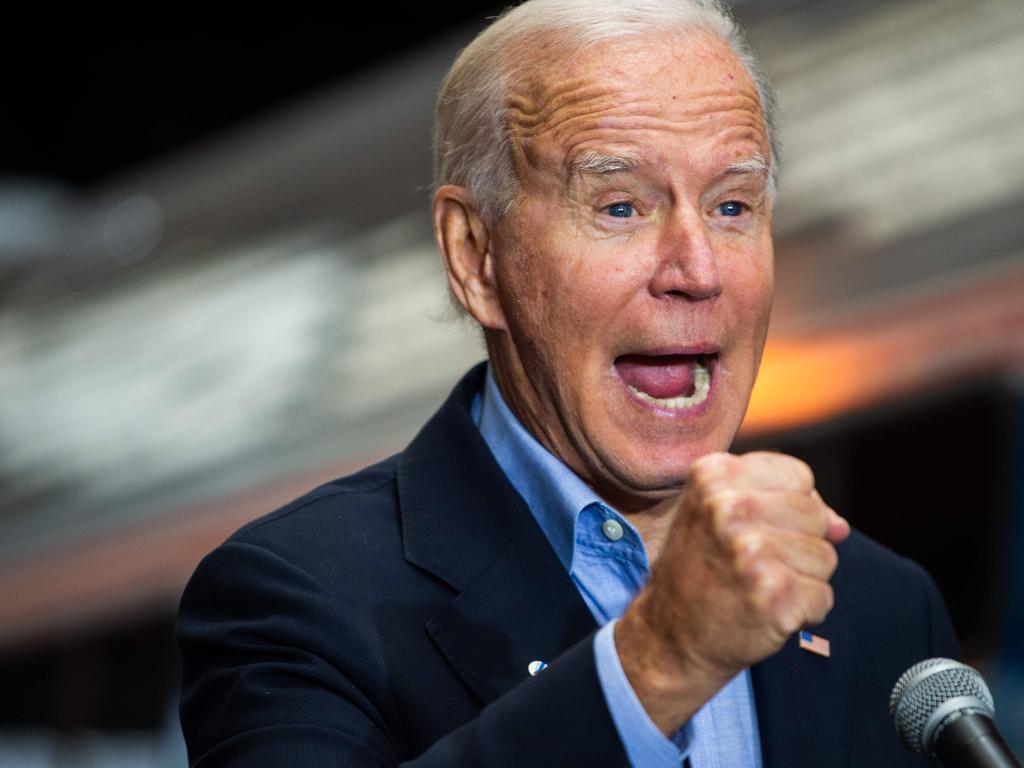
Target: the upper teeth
(701, 387)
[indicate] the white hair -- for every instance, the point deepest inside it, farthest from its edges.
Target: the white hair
(472, 144)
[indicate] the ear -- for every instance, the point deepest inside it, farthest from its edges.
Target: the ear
(464, 241)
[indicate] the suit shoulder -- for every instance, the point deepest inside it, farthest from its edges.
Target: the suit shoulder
(889, 586)
(866, 559)
(347, 521)
(336, 496)
(892, 591)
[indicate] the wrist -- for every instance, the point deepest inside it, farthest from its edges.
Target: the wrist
(669, 683)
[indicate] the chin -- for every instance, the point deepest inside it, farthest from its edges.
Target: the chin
(653, 474)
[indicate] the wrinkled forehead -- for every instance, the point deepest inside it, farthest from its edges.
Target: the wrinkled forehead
(684, 79)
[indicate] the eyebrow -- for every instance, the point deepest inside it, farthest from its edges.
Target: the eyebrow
(596, 163)
(756, 164)
(593, 163)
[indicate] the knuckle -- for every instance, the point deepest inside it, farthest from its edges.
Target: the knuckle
(823, 605)
(805, 474)
(830, 557)
(707, 469)
(722, 518)
(749, 548)
(762, 588)
(813, 513)
(795, 470)
(821, 517)
(723, 499)
(790, 620)
(729, 507)
(771, 584)
(801, 472)
(785, 609)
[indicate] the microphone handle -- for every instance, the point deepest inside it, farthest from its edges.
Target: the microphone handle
(973, 741)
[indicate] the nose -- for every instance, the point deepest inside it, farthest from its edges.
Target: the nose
(688, 265)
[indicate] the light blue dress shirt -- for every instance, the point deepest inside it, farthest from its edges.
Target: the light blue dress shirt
(607, 561)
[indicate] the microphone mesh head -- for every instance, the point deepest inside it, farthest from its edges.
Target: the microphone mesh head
(924, 687)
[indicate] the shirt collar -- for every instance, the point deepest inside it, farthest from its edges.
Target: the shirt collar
(552, 491)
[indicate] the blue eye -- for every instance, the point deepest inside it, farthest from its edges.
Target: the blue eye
(620, 210)
(731, 208)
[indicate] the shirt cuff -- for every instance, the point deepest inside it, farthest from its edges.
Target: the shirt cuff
(645, 744)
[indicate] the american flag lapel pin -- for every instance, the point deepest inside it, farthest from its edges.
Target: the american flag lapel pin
(815, 644)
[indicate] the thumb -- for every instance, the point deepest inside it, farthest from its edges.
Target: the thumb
(838, 528)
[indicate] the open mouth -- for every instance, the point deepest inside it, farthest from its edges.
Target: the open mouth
(672, 382)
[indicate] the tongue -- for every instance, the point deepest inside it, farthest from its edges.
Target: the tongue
(660, 376)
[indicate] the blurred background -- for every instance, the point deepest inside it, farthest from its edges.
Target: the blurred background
(218, 287)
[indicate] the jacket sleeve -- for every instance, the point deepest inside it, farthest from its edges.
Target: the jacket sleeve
(271, 678)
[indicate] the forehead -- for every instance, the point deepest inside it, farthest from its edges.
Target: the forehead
(640, 95)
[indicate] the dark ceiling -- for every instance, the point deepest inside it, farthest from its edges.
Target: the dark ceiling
(78, 112)
(80, 109)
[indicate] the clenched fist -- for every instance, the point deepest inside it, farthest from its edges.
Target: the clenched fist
(745, 564)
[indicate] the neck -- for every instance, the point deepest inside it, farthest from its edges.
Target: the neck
(653, 525)
(651, 513)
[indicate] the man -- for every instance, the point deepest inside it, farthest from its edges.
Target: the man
(605, 181)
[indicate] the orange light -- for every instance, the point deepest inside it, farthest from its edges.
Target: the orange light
(801, 383)
(935, 341)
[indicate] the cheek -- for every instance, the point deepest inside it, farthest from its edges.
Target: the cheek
(749, 280)
(527, 265)
(553, 289)
(522, 286)
(542, 309)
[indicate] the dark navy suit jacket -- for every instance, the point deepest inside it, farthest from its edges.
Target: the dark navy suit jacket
(390, 617)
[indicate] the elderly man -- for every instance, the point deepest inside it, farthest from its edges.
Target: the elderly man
(605, 182)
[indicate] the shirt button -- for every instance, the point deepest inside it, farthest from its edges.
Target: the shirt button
(612, 530)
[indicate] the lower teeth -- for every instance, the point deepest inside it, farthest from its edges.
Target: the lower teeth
(701, 387)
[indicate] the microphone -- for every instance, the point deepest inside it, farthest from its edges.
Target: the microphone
(943, 709)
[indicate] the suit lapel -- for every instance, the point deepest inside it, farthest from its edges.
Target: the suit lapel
(804, 701)
(464, 522)
(523, 608)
